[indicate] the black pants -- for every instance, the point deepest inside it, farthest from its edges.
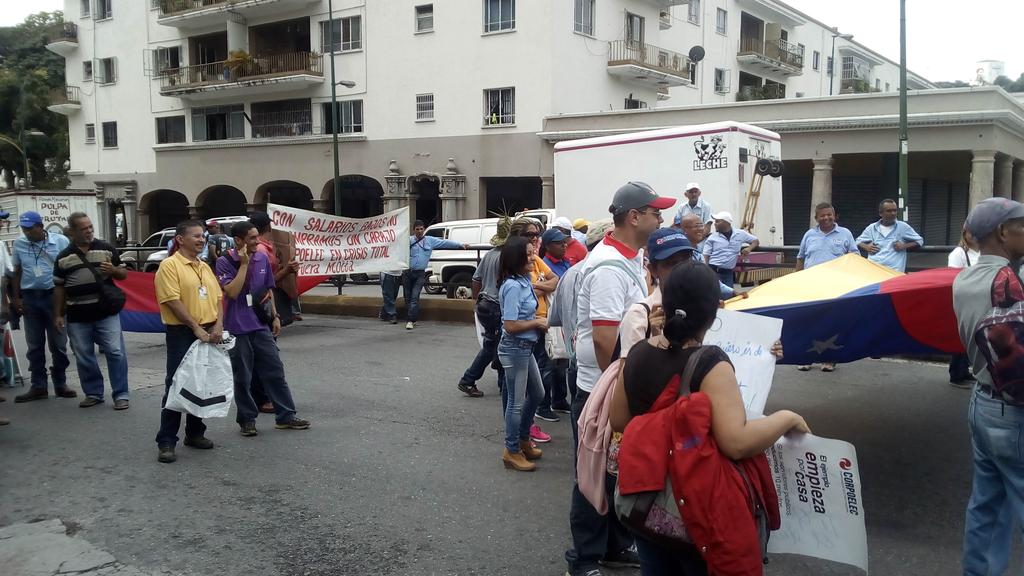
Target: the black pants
(178, 339)
(489, 314)
(960, 368)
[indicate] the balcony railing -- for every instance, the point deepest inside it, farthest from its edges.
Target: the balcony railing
(282, 124)
(171, 7)
(67, 32)
(778, 50)
(68, 95)
(648, 56)
(241, 70)
(766, 92)
(856, 86)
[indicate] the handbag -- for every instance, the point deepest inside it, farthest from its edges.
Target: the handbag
(655, 514)
(111, 298)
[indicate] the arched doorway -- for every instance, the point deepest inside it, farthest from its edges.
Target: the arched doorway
(221, 200)
(164, 209)
(427, 188)
(360, 196)
(285, 193)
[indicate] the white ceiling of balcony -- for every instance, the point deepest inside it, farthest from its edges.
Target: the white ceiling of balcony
(774, 12)
(233, 91)
(219, 13)
(866, 55)
(646, 76)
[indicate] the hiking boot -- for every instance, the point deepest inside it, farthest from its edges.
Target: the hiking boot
(89, 402)
(517, 461)
(293, 424)
(562, 408)
(627, 558)
(470, 390)
(121, 404)
(65, 393)
(530, 450)
(249, 429)
(32, 394)
(199, 442)
(538, 435)
(166, 454)
(547, 415)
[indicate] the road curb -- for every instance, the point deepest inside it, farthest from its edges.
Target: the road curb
(369, 307)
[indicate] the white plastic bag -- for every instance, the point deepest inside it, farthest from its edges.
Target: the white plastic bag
(203, 384)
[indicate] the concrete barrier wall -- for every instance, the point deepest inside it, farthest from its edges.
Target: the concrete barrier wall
(366, 306)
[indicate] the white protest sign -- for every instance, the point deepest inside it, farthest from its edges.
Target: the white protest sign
(326, 245)
(820, 498)
(748, 340)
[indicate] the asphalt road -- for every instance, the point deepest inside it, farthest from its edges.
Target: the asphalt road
(401, 473)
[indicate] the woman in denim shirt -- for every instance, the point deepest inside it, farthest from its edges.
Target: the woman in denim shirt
(520, 331)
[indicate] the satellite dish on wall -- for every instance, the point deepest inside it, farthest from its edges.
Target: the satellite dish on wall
(696, 53)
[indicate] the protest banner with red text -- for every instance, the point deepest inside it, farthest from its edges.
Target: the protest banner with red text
(327, 245)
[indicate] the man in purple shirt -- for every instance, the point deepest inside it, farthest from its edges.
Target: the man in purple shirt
(247, 279)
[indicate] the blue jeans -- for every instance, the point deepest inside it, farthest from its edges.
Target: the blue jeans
(389, 292)
(106, 333)
(727, 277)
(656, 560)
(522, 388)
(178, 340)
(257, 353)
(997, 492)
(489, 314)
(412, 285)
(40, 331)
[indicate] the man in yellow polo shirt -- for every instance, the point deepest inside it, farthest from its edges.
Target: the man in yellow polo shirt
(190, 298)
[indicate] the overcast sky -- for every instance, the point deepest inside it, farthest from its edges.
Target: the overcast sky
(945, 37)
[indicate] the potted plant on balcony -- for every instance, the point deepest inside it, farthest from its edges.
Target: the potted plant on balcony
(236, 64)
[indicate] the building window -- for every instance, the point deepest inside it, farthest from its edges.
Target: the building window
(348, 34)
(693, 13)
(816, 60)
(691, 73)
(499, 106)
(721, 81)
(722, 22)
(424, 107)
(633, 104)
(878, 84)
(104, 9)
(425, 18)
(166, 60)
(218, 123)
(584, 17)
(499, 15)
(90, 133)
(170, 129)
(87, 71)
(350, 117)
(282, 118)
(107, 73)
(110, 134)
(829, 64)
(634, 30)
(84, 11)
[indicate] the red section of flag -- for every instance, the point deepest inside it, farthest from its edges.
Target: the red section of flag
(924, 306)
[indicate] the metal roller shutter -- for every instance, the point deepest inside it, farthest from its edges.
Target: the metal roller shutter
(856, 200)
(796, 208)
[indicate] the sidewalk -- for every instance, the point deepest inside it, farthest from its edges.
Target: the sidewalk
(47, 549)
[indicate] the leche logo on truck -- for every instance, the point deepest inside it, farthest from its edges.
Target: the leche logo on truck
(710, 153)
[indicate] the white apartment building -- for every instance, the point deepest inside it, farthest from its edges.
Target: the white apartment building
(215, 107)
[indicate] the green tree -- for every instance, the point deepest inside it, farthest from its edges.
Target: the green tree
(29, 77)
(1010, 85)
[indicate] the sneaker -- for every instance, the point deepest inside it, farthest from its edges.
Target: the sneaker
(249, 429)
(166, 454)
(547, 415)
(963, 384)
(32, 394)
(470, 390)
(89, 402)
(121, 404)
(394, 320)
(828, 367)
(293, 424)
(627, 558)
(538, 435)
(804, 368)
(561, 408)
(410, 325)
(65, 393)
(199, 442)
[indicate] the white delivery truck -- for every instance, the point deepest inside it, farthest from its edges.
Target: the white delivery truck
(723, 157)
(53, 205)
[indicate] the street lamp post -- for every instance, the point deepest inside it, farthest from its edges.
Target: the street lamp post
(334, 109)
(832, 68)
(904, 148)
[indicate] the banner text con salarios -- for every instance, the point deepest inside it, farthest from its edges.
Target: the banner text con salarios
(333, 226)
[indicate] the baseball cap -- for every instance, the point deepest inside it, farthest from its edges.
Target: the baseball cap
(553, 235)
(723, 215)
(692, 185)
(562, 222)
(579, 223)
(665, 242)
(637, 195)
(29, 219)
(988, 214)
(597, 231)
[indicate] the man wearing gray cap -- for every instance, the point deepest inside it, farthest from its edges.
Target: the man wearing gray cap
(987, 299)
(696, 205)
(613, 280)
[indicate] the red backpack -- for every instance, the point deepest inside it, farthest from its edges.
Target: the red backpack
(1000, 337)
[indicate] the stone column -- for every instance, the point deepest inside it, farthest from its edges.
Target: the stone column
(982, 176)
(238, 34)
(131, 219)
(397, 193)
(1003, 176)
(453, 193)
(547, 192)
(1018, 181)
(100, 225)
(821, 185)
